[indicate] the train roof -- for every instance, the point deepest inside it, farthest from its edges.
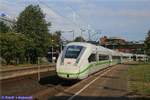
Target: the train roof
(100, 49)
(141, 55)
(103, 50)
(81, 44)
(126, 54)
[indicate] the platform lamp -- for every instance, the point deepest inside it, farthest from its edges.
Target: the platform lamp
(52, 51)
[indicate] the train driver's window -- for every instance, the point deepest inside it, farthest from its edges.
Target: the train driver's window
(92, 58)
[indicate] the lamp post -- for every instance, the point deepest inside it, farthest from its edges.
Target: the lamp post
(72, 34)
(82, 30)
(89, 35)
(52, 51)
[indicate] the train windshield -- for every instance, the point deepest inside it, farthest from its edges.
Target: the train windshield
(73, 51)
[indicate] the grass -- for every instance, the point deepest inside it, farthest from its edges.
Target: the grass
(139, 79)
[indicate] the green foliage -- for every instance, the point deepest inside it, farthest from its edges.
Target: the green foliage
(30, 40)
(3, 27)
(147, 43)
(56, 39)
(12, 47)
(31, 22)
(79, 39)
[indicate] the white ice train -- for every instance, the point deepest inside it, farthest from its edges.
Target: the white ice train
(78, 60)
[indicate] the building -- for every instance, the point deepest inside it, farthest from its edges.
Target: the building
(122, 45)
(112, 40)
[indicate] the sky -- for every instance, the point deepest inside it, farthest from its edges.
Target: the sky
(128, 19)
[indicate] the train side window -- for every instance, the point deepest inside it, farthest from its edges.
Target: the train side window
(125, 57)
(115, 57)
(103, 57)
(92, 58)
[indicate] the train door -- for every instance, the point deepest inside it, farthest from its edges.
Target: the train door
(92, 61)
(110, 60)
(134, 58)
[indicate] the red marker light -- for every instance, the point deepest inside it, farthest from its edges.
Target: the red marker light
(68, 62)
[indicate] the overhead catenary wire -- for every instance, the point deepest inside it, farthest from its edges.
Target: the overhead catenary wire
(88, 25)
(66, 19)
(73, 21)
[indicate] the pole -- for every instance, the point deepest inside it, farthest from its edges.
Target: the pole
(81, 33)
(60, 46)
(38, 69)
(89, 35)
(52, 54)
(52, 51)
(73, 34)
(145, 60)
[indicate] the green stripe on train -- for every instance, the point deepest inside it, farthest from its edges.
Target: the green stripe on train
(84, 70)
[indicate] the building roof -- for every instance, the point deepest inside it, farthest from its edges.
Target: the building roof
(118, 38)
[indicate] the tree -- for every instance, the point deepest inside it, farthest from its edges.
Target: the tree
(79, 39)
(147, 43)
(32, 23)
(3, 27)
(12, 47)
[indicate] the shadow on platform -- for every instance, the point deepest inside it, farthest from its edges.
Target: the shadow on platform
(96, 98)
(55, 80)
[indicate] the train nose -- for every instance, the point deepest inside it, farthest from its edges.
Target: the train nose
(69, 72)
